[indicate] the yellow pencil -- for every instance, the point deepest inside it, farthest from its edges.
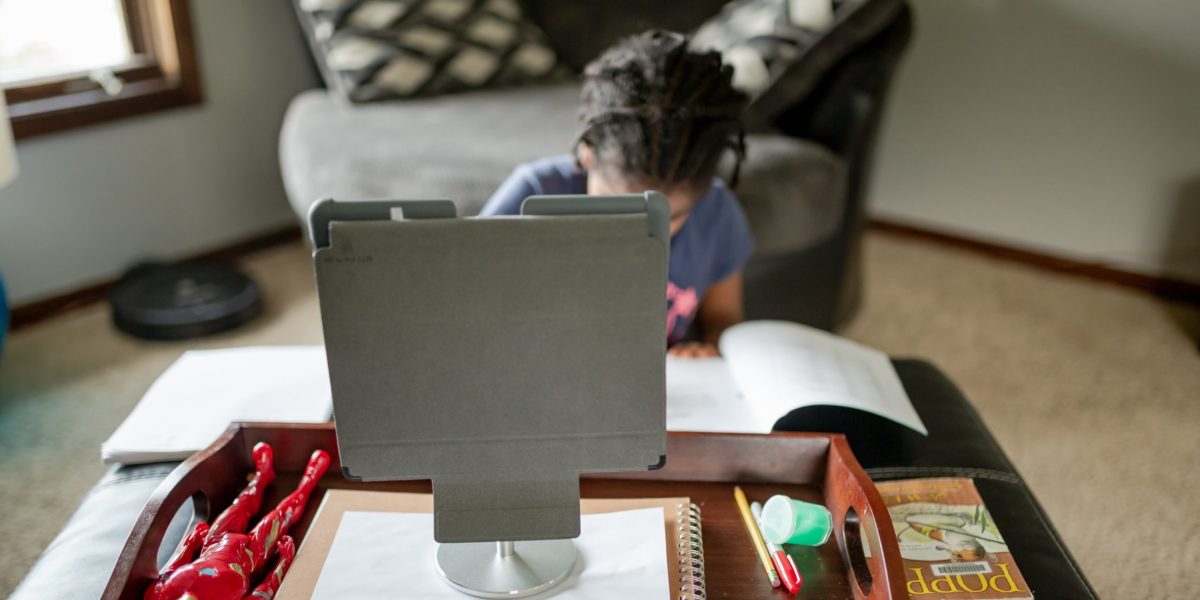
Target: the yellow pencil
(755, 535)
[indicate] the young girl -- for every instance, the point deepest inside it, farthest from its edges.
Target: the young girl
(657, 116)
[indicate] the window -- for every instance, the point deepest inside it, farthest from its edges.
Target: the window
(69, 63)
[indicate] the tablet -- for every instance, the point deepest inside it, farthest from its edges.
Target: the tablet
(498, 357)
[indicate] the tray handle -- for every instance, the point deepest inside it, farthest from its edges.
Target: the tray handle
(209, 478)
(853, 499)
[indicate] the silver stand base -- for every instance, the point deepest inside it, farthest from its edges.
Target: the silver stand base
(506, 569)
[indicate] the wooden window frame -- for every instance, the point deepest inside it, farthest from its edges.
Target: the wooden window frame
(162, 74)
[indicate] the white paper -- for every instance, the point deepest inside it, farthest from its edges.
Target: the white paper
(392, 556)
(195, 400)
(702, 396)
(780, 366)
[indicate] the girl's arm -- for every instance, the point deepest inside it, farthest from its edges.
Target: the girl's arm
(507, 198)
(720, 309)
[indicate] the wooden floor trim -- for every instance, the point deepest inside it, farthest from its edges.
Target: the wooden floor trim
(1163, 287)
(34, 312)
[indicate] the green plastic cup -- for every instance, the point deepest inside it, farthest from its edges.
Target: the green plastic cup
(788, 521)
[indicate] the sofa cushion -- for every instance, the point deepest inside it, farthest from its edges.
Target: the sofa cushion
(374, 49)
(793, 192)
(458, 147)
(462, 147)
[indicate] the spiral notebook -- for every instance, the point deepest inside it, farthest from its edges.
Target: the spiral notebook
(380, 544)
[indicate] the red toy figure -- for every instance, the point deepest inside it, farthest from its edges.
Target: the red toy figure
(229, 558)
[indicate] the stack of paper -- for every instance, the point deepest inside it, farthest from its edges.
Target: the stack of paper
(196, 399)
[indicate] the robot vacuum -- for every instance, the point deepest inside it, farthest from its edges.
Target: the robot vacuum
(178, 301)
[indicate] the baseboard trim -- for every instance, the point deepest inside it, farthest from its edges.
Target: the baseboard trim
(1163, 287)
(39, 310)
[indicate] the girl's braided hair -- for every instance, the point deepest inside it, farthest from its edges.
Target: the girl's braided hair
(657, 114)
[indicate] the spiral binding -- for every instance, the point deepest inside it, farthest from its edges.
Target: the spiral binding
(690, 543)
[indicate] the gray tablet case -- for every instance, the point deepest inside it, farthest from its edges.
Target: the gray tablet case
(498, 357)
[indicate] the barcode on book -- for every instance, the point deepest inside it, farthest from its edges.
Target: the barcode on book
(967, 568)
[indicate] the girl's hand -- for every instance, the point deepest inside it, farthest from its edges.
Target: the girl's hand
(694, 350)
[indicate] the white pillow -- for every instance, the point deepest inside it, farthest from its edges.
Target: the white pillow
(813, 14)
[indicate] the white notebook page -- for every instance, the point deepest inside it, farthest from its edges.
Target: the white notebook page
(392, 556)
(702, 396)
(193, 402)
(780, 366)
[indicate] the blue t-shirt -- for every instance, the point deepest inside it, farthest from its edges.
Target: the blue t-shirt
(714, 243)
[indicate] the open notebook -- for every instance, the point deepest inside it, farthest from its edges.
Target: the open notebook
(368, 545)
(770, 368)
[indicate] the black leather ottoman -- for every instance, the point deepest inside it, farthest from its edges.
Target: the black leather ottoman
(959, 445)
(78, 562)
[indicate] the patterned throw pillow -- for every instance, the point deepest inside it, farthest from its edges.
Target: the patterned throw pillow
(780, 49)
(381, 49)
(758, 38)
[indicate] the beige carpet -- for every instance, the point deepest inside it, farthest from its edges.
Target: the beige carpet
(1093, 390)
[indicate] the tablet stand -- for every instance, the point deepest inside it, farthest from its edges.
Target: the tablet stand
(506, 569)
(499, 358)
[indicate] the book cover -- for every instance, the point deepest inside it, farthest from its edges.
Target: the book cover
(951, 547)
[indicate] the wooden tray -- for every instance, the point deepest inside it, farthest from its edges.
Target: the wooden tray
(703, 466)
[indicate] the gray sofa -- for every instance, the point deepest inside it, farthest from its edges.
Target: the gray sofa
(462, 146)
(802, 185)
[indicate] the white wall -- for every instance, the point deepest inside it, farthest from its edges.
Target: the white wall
(90, 201)
(1070, 127)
